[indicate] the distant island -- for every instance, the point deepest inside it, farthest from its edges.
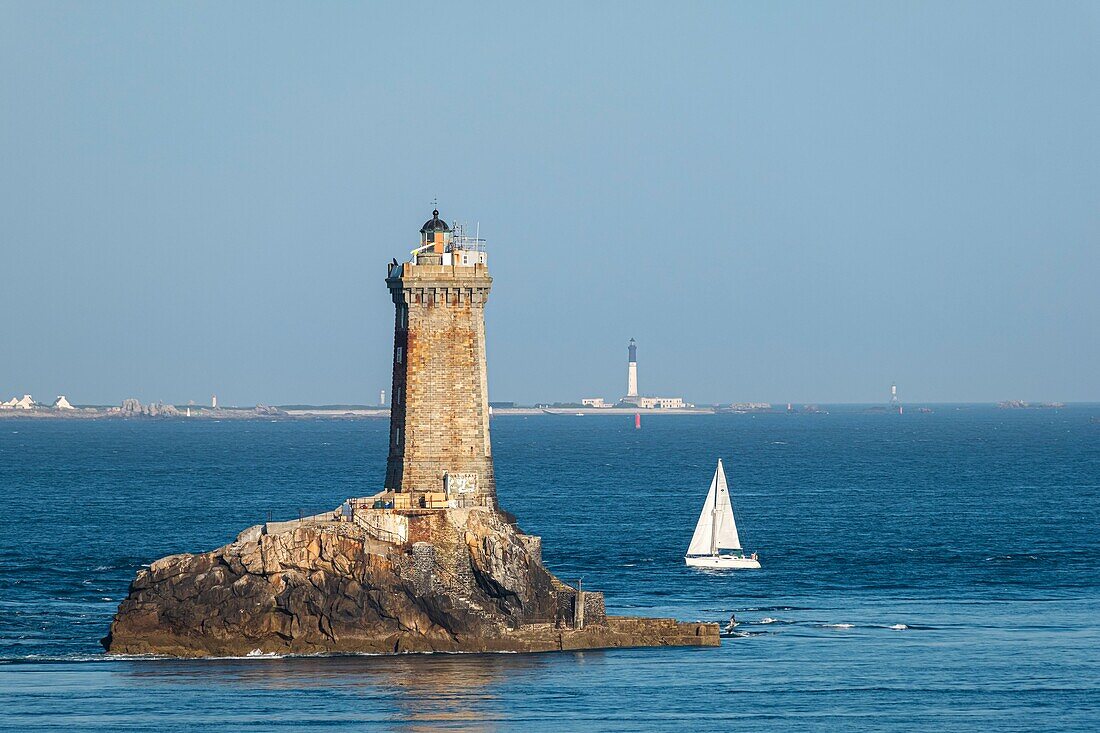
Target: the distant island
(1021, 405)
(130, 408)
(134, 409)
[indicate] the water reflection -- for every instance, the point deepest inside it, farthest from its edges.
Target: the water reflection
(421, 691)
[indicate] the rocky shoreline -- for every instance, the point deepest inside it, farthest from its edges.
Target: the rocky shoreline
(134, 410)
(454, 580)
(160, 411)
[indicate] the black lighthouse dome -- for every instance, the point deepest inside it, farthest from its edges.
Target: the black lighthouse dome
(435, 224)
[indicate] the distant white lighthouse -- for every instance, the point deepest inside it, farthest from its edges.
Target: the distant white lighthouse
(632, 370)
(381, 398)
(214, 401)
(893, 394)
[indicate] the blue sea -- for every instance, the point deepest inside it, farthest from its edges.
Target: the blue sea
(920, 572)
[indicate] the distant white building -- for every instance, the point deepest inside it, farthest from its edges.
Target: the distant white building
(649, 403)
(594, 402)
(214, 401)
(62, 404)
(27, 403)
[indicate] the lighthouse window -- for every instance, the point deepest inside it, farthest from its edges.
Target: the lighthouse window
(400, 355)
(397, 436)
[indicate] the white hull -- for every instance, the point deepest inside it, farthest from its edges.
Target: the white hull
(723, 562)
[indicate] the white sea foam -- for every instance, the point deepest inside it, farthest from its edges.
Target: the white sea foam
(733, 634)
(898, 627)
(837, 626)
(768, 620)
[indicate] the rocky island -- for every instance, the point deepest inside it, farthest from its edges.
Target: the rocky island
(430, 563)
(465, 580)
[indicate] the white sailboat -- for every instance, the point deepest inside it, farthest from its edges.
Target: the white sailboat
(715, 543)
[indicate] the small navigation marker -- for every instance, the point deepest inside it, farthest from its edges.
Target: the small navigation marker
(637, 421)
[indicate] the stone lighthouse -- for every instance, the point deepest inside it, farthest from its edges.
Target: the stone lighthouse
(439, 404)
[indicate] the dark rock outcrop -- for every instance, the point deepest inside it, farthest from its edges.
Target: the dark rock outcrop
(461, 580)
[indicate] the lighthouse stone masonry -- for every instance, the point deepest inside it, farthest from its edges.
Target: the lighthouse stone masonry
(439, 413)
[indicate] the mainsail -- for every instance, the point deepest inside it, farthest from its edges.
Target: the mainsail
(715, 529)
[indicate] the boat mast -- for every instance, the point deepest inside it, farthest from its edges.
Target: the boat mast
(714, 514)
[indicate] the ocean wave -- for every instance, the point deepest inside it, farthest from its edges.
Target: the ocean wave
(898, 627)
(253, 656)
(742, 634)
(777, 608)
(54, 658)
(837, 626)
(767, 620)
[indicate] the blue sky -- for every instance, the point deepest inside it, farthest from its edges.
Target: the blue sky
(784, 202)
